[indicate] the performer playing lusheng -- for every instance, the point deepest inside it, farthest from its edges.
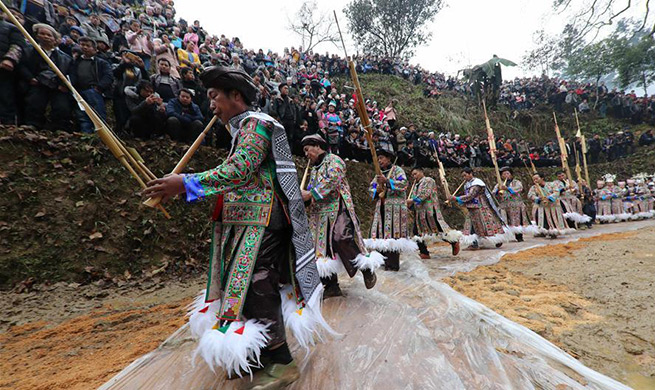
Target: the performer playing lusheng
(261, 240)
(389, 230)
(547, 209)
(484, 224)
(571, 205)
(603, 202)
(332, 219)
(428, 220)
(512, 208)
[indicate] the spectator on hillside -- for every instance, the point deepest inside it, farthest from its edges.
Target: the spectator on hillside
(119, 42)
(165, 84)
(94, 29)
(165, 49)
(647, 138)
(92, 77)
(284, 111)
(147, 110)
(140, 42)
(184, 119)
(43, 85)
(11, 51)
(129, 72)
(584, 107)
(187, 57)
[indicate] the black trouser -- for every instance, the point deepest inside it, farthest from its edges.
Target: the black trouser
(36, 102)
(422, 248)
(185, 132)
(263, 300)
(144, 126)
(7, 97)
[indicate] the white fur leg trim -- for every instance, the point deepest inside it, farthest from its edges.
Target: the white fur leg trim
(606, 218)
(427, 239)
(452, 236)
(516, 229)
(499, 238)
(577, 217)
(531, 229)
(202, 315)
(306, 324)
(327, 266)
(391, 245)
(623, 217)
(371, 261)
(235, 349)
(468, 240)
(643, 215)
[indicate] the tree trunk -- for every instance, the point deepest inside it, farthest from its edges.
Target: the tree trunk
(597, 94)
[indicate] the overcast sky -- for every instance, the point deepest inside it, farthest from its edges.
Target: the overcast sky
(465, 32)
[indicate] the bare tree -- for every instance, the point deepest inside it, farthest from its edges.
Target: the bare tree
(313, 27)
(590, 17)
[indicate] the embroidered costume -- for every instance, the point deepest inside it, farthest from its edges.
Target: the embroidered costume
(389, 230)
(428, 220)
(603, 197)
(571, 205)
(547, 209)
(512, 208)
(334, 224)
(484, 224)
(261, 239)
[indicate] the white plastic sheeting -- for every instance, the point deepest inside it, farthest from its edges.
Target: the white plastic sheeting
(410, 332)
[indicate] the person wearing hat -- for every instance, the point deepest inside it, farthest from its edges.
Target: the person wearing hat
(428, 220)
(484, 223)
(334, 129)
(618, 211)
(332, 219)
(389, 229)
(12, 45)
(547, 210)
(512, 208)
(261, 240)
(44, 87)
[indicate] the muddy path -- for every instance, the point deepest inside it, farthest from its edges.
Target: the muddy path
(594, 298)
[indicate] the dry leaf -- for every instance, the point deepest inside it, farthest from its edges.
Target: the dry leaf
(40, 214)
(79, 204)
(95, 236)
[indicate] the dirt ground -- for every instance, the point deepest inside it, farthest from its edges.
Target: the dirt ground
(68, 336)
(593, 297)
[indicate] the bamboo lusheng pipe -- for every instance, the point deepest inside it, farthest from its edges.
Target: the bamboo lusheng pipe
(492, 143)
(360, 105)
(383, 193)
(411, 190)
(458, 188)
(305, 175)
(563, 154)
(583, 146)
(179, 167)
(107, 137)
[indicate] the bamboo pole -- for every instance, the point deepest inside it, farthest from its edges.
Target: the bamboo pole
(305, 175)
(107, 137)
(492, 143)
(563, 154)
(179, 167)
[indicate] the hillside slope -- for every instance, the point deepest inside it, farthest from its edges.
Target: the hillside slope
(69, 211)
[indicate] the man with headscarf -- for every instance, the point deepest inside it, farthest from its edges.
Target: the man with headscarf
(389, 229)
(484, 224)
(428, 220)
(261, 239)
(332, 219)
(512, 207)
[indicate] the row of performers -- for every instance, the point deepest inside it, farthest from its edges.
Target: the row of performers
(632, 199)
(492, 216)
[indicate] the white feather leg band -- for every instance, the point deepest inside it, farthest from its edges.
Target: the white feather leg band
(606, 218)
(307, 323)
(235, 348)
(328, 266)
(391, 245)
(371, 261)
(202, 315)
(452, 236)
(577, 217)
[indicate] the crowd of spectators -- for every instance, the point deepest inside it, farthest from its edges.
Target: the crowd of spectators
(137, 58)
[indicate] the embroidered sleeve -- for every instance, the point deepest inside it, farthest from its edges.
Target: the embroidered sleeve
(532, 193)
(517, 187)
(237, 170)
(425, 190)
(398, 181)
(328, 182)
(472, 193)
(373, 188)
